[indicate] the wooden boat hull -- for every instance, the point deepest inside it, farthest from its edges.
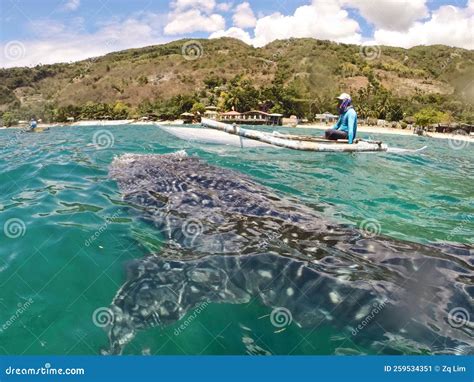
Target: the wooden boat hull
(37, 130)
(204, 135)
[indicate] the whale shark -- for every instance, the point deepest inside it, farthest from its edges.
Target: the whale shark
(230, 239)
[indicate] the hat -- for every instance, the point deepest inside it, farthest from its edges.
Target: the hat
(344, 96)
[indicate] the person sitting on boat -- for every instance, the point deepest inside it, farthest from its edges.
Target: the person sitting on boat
(346, 125)
(33, 124)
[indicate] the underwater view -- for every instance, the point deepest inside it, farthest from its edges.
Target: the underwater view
(125, 240)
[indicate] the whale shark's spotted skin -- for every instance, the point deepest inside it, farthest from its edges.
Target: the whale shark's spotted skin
(230, 239)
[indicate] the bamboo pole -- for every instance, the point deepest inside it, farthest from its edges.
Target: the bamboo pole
(292, 143)
(310, 138)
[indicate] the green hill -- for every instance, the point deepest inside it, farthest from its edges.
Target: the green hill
(296, 76)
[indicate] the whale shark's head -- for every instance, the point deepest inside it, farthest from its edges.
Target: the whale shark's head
(157, 173)
(203, 207)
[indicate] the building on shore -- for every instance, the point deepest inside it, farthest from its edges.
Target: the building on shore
(211, 112)
(230, 116)
(326, 118)
(253, 117)
(293, 121)
(452, 128)
(187, 117)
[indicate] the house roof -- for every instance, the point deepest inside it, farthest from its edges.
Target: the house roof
(256, 111)
(232, 112)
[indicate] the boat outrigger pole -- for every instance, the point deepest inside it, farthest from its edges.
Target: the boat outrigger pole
(294, 142)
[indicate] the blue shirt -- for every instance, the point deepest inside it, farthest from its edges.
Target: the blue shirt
(348, 122)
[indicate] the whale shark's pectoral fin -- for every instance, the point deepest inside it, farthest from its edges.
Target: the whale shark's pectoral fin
(160, 292)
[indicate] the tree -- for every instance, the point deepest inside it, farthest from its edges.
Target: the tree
(241, 95)
(142, 80)
(395, 113)
(145, 107)
(277, 108)
(120, 110)
(428, 116)
(9, 119)
(198, 107)
(213, 81)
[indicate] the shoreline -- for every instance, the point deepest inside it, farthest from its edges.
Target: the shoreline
(392, 131)
(322, 127)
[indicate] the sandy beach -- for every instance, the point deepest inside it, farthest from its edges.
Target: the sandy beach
(103, 122)
(387, 130)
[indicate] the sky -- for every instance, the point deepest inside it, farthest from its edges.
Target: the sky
(36, 32)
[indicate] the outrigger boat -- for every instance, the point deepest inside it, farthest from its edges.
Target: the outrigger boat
(37, 130)
(296, 142)
(221, 133)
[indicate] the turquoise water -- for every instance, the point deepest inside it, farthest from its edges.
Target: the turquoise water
(55, 185)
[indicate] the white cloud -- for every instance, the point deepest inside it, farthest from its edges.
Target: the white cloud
(447, 25)
(46, 27)
(224, 7)
(193, 21)
(188, 16)
(205, 6)
(323, 19)
(72, 5)
(136, 31)
(398, 23)
(390, 14)
(244, 16)
(235, 33)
